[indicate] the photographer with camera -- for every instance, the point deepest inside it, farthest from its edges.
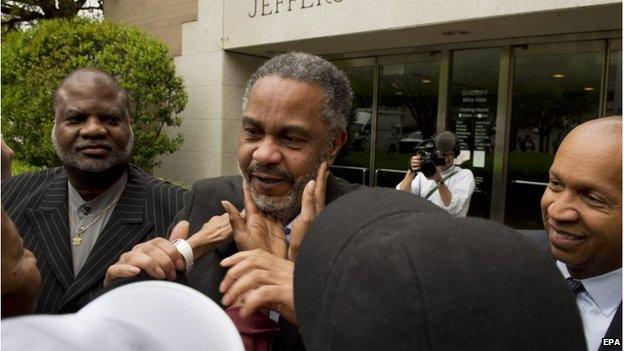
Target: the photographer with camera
(434, 176)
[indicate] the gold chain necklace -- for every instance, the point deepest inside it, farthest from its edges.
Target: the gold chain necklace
(77, 240)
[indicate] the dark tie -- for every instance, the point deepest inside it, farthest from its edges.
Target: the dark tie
(575, 286)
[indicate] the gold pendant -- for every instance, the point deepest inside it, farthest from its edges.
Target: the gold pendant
(77, 241)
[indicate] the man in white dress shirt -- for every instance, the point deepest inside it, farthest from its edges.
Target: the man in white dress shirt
(450, 187)
(582, 214)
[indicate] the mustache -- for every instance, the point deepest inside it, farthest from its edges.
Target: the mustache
(270, 170)
(99, 143)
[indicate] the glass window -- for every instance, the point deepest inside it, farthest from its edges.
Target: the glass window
(555, 88)
(473, 101)
(614, 84)
(408, 103)
(353, 161)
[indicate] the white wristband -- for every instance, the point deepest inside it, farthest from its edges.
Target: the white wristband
(185, 250)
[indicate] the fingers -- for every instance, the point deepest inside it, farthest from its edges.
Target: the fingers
(245, 261)
(120, 270)
(249, 277)
(180, 231)
(143, 262)
(239, 268)
(277, 297)
(303, 220)
(158, 257)
(257, 298)
(250, 205)
(309, 199)
(321, 187)
(167, 256)
(236, 220)
(251, 280)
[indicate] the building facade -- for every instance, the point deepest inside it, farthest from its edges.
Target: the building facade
(510, 78)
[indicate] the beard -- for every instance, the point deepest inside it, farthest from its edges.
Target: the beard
(289, 205)
(73, 159)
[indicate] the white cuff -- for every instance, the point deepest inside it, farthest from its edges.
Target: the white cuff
(185, 250)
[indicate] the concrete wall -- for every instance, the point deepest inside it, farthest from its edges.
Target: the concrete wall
(257, 22)
(161, 18)
(214, 80)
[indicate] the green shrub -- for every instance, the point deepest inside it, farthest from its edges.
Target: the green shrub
(35, 61)
(18, 167)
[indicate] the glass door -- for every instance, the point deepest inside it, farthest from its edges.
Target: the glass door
(555, 88)
(353, 161)
(473, 102)
(407, 110)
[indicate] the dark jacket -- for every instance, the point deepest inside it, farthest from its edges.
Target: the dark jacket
(37, 203)
(204, 202)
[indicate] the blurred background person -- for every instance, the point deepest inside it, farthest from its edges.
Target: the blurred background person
(20, 276)
(434, 176)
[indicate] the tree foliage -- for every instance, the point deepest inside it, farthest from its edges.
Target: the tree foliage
(35, 61)
(16, 13)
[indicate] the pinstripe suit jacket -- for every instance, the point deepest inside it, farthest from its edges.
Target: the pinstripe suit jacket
(37, 203)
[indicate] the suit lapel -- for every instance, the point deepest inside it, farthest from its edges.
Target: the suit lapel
(50, 224)
(126, 227)
(615, 329)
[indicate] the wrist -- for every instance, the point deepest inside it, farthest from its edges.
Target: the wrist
(199, 246)
(186, 251)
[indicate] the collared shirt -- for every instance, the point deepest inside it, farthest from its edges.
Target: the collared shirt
(82, 212)
(461, 185)
(597, 303)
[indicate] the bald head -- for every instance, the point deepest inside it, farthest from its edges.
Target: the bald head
(607, 127)
(94, 77)
(582, 205)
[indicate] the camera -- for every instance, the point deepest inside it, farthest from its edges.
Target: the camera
(430, 158)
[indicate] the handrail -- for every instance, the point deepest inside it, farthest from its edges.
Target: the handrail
(385, 170)
(362, 169)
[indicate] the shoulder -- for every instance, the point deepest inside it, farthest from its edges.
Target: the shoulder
(226, 185)
(337, 187)
(158, 185)
(32, 177)
(28, 183)
(464, 172)
(204, 200)
(420, 177)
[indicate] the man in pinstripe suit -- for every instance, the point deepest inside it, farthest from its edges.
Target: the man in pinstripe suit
(79, 218)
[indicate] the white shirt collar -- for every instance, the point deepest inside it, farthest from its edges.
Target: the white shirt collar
(449, 170)
(605, 290)
(76, 202)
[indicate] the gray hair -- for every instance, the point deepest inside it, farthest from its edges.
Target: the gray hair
(337, 93)
(446, 141)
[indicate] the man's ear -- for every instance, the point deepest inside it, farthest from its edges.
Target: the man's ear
(337, 143)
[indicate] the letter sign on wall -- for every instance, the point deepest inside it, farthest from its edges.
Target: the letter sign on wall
(274, 7)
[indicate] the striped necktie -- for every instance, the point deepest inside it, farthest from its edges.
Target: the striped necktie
(575, 286)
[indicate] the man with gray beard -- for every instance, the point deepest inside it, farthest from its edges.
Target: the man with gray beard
(77, 219)
(295, 113)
